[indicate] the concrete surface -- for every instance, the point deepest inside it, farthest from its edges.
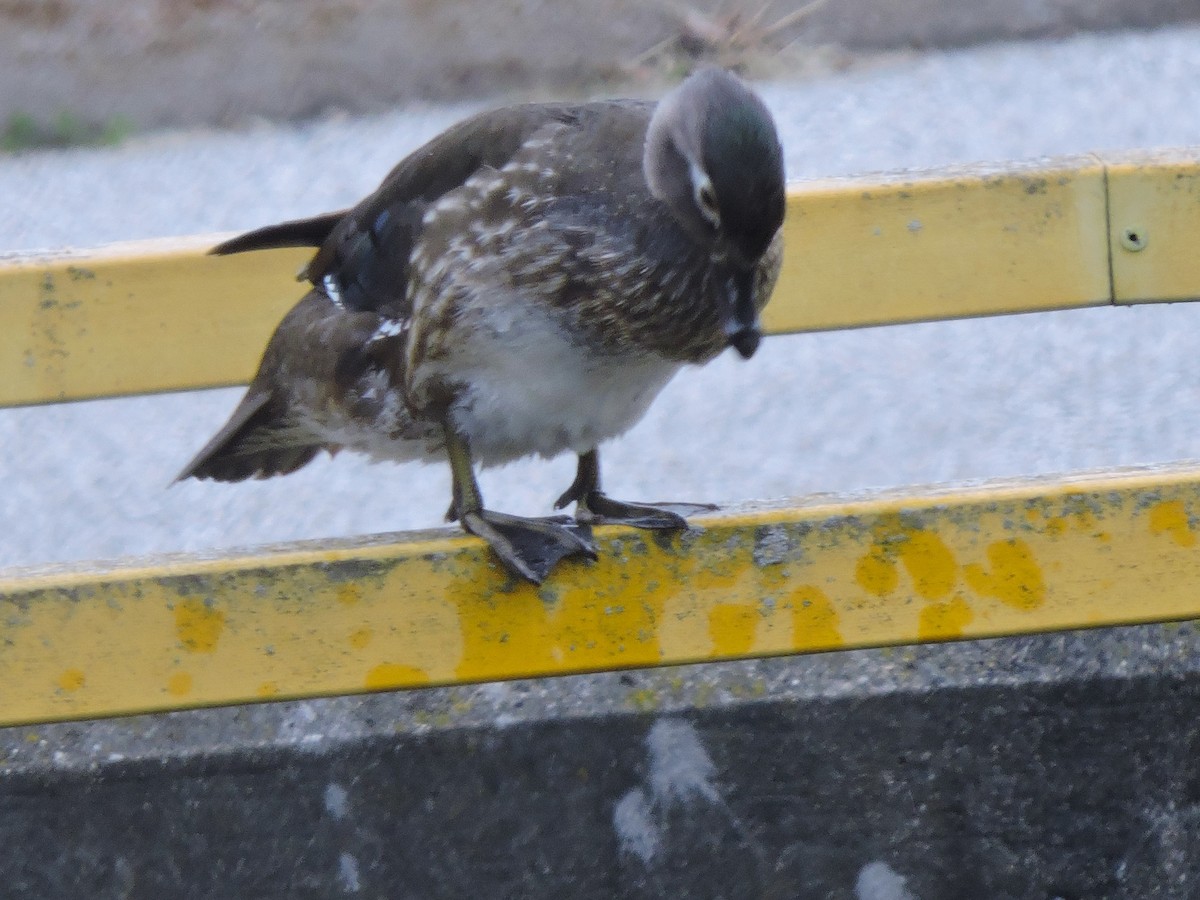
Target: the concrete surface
(1060, 766)
(160, 62)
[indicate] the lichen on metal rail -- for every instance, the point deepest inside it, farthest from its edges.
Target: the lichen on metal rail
(367, 614)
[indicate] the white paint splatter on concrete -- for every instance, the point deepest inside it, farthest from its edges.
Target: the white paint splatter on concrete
(633, 820)
(348, 874)
(337, 800)
(680, 768)
(679, 773)
(879, 881)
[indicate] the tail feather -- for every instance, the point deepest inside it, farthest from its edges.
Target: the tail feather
(299, 233)
(252, 444)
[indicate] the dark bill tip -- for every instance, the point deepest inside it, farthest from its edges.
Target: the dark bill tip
(745, 341)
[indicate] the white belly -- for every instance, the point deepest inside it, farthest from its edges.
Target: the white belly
(530, 390)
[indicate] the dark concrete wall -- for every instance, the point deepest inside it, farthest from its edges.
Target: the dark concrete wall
(907, 783)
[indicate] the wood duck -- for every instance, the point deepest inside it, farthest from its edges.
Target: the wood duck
(525, 283)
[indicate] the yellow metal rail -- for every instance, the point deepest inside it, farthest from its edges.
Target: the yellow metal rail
(1086, 231)
(433, 608)
(347, 616)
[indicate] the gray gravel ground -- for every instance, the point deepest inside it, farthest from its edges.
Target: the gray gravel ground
(825, 412)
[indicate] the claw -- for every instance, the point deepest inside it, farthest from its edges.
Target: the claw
(531, 548)
(599, 508)
(686, 509)
(593, 505)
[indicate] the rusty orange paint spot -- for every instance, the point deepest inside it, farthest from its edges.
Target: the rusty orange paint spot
(1014, 577)
(732, 627)
(268, 689)
(815, 621)
(392, 675)
(929, 562)
(876, 574)
(71, 680)
(1170, 517)
(944, 620)
(179, 684)
(349, 594)
(360, 638)
(198, 625)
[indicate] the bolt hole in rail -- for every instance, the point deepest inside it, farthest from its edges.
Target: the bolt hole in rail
(902, 566)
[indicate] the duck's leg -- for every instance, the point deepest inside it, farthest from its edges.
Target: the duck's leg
(529, 548)
(593, 505)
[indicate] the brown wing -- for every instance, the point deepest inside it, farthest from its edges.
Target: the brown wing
(362, 262)
(364, 252)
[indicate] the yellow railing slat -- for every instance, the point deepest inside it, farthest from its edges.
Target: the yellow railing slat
(357, 615)
(938, 245)
(162, 316)
(137, 318)
(1155, 198)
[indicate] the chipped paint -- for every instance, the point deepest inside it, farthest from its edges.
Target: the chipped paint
(930, 563)
(814, 618)
(941, 621)
(392, 675)
(583, 623)
(732, 627)
(71, 680)
(376, 614)
(198, 625)
(1170, 518)
(876, 573)
(1012, 577)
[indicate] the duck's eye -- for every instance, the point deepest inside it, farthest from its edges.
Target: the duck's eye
(707, 201)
